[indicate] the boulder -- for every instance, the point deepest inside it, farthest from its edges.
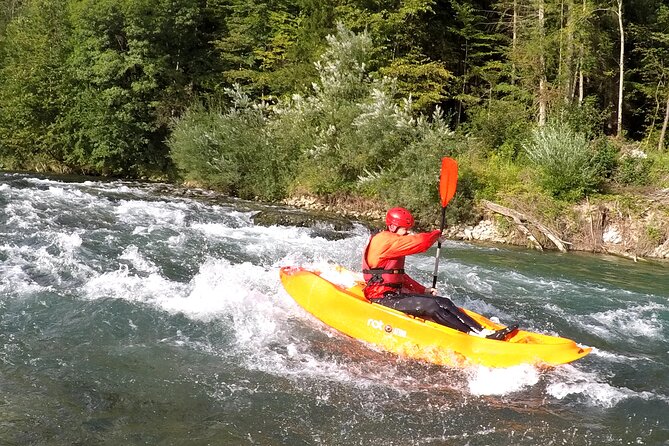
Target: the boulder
(323, 225)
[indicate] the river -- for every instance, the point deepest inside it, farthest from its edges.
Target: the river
(133, 314)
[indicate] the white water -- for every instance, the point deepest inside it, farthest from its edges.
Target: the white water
(211, 264)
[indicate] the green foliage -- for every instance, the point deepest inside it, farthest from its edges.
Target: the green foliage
(565, 163)
(605, 157)
(34, 85)
(502, 125)
(348, 135)
(91, 85)
(126, 63)
(331, 119)
(232, 150)
(655, 234)
(404, 36)
(411, 179)
(426, 82)
(9, 9)
(634, 170)
(660, 170)
(268, 46)
(495, 175)
(100, 87)
(199, 148)
(585, 118)
(652, 49)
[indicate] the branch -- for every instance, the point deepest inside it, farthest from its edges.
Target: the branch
(521, 220)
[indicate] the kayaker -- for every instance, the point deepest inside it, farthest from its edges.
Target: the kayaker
(388, 284)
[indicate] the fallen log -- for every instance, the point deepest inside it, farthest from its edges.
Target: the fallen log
(521, 220)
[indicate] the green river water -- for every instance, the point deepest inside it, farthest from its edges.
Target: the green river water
(133, 315)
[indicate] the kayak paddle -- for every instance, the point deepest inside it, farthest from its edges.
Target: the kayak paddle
(448, 180)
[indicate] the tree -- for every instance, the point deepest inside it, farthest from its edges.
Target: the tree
(529, 53)
(9, 9)
(479, 46)
(135, 62)
(621, 68)
(35, 86)
(410, 41)
(269, 45)
(653, 48)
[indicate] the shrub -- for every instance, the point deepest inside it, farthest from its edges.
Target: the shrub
(350, 124)
(605, 157)
(199, 148)
(495, 175)
(232, 150)
(411, 180)
(586, 118)
(567, 167)
(501, 125)
(634, 170)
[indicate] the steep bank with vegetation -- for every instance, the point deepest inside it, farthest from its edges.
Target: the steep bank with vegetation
(632, 226)
(628, 226)
(544, 104)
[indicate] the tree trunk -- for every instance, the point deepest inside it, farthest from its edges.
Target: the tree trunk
(561, 57)
(581, 52)
(521, 220)
(514, 41)
(542, 68)
(566, 71)
(663, 133)
(621, 64)
(464, 84)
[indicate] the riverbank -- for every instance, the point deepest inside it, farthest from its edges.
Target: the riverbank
(631, 226)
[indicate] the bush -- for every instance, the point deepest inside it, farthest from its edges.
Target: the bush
(232, 150)
(660, 171)
(605, 157)
(203, 148)
(586, 118)
(500, 177)
(411, 180)
(634, 170)
(501, 125)
(567, 167)
(350, 125)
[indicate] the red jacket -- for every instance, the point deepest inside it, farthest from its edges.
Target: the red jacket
(387, 250)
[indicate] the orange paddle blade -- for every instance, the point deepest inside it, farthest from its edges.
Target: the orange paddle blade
(448, 180)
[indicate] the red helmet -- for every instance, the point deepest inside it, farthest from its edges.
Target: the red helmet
(399, 217)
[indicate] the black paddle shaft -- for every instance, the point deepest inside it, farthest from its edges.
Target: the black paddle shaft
(436, 260)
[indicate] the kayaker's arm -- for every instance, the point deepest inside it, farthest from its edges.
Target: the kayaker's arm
(409, 244)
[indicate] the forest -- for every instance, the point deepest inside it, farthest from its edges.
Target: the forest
(540, 101)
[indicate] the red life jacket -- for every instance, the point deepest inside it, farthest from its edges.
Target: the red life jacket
(388, 274)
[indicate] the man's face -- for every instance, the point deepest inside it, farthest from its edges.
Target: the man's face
(402, 230)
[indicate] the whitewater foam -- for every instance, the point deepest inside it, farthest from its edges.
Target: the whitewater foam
(501, 381)
(636, 321)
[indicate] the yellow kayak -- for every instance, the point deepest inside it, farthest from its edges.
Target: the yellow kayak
(344, 308)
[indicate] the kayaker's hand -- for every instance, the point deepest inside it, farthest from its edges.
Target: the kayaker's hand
(432, 291)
